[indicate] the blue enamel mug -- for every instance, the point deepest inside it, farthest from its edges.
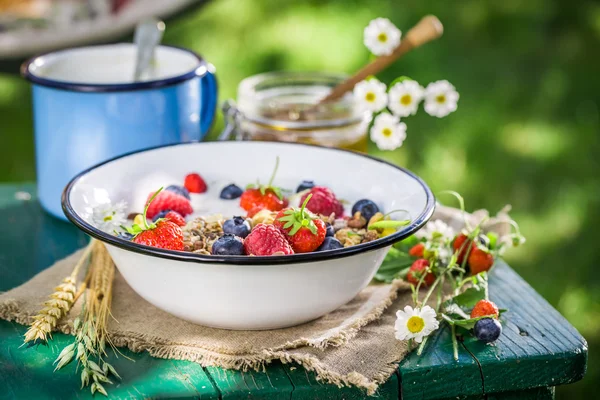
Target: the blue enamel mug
(87, 109)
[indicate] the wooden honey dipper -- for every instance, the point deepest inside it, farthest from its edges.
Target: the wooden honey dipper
(426, 30)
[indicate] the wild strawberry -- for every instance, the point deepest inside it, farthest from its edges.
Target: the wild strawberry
(175, 217)
(480, 260)
(416, 271)
(463, 245)
(304, 231)
(259, 197)
(194, 183)
(162, 233)
(167, 200)
(417, 250)
(323, 202)
(266, 240)
(484, 308)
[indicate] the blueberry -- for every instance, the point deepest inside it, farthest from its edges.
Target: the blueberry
(237, 226)
(160, 215)
(487, 330)
(305, 185)
(228, 245)
(180, 190)
(125, 236)
(231, 192)
(366, 207)
(329, 231)
(330, 243)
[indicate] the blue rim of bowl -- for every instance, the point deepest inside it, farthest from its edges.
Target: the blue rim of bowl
(418, 222)
(203, 68)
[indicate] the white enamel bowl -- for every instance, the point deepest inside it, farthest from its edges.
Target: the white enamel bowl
(238, 292)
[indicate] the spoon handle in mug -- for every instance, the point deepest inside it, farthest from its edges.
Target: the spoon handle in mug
(147, 36)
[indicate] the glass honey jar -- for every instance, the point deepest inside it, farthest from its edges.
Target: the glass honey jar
(284, 107)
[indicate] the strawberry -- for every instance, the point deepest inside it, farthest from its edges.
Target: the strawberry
(480, 260)
(175, 217)
(167, 200)
(303, 231)
(162, 233)
(194, 183)
(484, 308)
(323, 202)
(416, 271)
(417, 250)
(463, 244)
(258, 197)
(266, 240)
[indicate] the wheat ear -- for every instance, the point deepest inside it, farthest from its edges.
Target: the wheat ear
(59, 303)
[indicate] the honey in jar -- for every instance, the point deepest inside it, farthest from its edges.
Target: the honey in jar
(284, 107)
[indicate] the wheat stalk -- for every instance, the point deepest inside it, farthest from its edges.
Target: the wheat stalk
(91, 333)
(59, 303)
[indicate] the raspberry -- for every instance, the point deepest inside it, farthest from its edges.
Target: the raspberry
(194, 183)
(484, 308)
(266, 240)
(416, 271)
(417, 250)
(323, 202)
(167, 200)
(175, 217)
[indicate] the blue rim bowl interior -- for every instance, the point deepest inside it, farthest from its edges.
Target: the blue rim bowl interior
(416, 224)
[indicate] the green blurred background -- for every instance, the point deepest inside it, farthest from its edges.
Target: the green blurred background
(526, 133)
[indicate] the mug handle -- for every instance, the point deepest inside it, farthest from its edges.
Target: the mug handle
(208, 95)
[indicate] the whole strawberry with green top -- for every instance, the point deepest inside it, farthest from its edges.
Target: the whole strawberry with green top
(161, 233)
(259, 197)
(303, 230)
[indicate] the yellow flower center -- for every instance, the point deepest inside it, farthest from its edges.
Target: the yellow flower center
(387, 132)
(441, 98)
(406, 100)
(415, 324)
(370, 96)
(382, 37)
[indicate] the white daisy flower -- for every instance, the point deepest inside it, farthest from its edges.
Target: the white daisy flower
(381, 37)
(388, 132)
(404, 98)
(109, 217)
(441, 98)
(435, 230)
(370, 95)
(415, 323)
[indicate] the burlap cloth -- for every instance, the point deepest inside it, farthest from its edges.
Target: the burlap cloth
(353, 345)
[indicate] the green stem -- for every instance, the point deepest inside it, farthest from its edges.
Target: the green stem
(394, 211)
(439, 294)
(148, 205)
(422, 345)
(454, 342)
(437, 280)
(461, 202)
(274, 171)
(304, 206)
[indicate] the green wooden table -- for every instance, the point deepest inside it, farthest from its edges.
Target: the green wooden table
(538, 350)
